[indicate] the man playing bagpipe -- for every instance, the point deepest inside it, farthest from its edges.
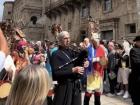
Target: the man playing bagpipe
(66, 72)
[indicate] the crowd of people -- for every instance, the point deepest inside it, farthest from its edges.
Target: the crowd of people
(93, 66)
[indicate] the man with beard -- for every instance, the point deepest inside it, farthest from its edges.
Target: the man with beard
(134, 77)
(68, 90)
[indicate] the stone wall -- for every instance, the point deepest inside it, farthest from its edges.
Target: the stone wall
(117, 21)
(138, 13)
(24, 11)
(69, 18)
(8, 10)
(123, 10)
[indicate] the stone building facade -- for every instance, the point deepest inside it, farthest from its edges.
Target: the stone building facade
(25, 15)
(117, 18)
(8, 10)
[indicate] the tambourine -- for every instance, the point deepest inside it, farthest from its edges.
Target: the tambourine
(5, 90)
(5, 86)
(19, 33)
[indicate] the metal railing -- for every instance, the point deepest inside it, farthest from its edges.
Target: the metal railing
(57, 3)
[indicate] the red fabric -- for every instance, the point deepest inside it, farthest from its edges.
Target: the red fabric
(22, 43)
(97, 66)
(97, 93)
(37, 59)
(88, 94)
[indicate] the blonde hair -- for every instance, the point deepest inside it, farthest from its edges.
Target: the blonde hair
(30, 86)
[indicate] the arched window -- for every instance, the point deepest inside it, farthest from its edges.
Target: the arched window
(33, 19)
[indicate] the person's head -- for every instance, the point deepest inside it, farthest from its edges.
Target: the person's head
(30, 86)
(86, 41)
(137, 41)
(119, 48)
(95, 38)
(111, 46)
(38, 43)
(52, 45)
(64, 39)
(30, 50)
(102, 42)
(82, 45)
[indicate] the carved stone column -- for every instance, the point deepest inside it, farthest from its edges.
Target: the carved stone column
(138, 12)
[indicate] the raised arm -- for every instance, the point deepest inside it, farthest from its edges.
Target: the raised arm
(3, 49)
(3, 43)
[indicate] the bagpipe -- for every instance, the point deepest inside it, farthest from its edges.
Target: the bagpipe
(77, 61)
(82, 55)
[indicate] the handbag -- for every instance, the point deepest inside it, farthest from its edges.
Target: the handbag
(93, 81)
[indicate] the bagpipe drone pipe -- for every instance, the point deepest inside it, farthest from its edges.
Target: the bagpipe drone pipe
(77, 61)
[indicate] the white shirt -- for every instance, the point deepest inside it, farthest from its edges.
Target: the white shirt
(10, 66)
(2, 60)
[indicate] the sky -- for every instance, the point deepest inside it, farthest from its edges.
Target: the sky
(1, 7)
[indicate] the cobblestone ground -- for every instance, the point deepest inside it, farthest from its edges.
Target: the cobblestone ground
(116, 100)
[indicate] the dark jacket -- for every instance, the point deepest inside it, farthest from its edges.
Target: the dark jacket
(125, 58)
(134, 78)
(68, 90)
(113, 62)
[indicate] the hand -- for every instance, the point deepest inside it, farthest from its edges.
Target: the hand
(3, 43)
(78, 69)
(86, 64)
(97, 59)
(10, 74)
(26, 49)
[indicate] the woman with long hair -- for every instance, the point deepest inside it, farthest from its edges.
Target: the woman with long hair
(30, 86)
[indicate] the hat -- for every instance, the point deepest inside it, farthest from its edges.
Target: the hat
(137, 38)
(22, 43)
(19, 33)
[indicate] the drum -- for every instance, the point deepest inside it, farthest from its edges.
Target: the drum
(5, 84)
(4, 89)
